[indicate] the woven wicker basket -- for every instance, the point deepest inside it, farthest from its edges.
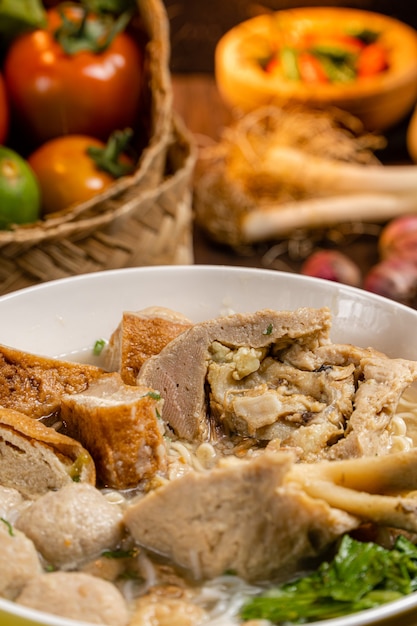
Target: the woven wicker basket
(142, 219)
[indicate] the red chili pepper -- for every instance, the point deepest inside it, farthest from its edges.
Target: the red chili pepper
(372, 60)
(311, 70)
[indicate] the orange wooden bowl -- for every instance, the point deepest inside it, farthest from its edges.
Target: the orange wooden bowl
(380, 101)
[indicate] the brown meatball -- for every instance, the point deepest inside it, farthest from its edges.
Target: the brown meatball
(76, 596)
(19, 561)
(73, 525)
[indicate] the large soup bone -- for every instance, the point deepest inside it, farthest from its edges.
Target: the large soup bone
(240, 516)
(380, 489)
(179, 371)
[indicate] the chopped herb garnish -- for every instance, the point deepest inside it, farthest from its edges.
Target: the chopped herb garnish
(98, 347)
(9, 526)
(268, 330)
(362, 575)
(154, 395)
(77, 468)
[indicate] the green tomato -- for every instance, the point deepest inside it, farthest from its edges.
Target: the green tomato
(20, 196)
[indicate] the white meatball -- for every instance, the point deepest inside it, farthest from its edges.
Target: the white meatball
(76, 596)
(19, 561)
(72, 525)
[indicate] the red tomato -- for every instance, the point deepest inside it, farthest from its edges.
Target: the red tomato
(372, 60)
(4, 112)
(55, 93)
(66, 173)
(311, 70)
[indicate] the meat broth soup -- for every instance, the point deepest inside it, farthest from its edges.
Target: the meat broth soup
(169, 493)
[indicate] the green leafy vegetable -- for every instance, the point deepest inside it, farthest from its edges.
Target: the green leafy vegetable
(268, 330)
(361, 576)
(17, 17)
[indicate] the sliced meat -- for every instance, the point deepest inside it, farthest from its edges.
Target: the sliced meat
(34, 384)
(239, 516)
(120, 426)
(19, 561)
(35, 458)
(76, 596)
(179, 371)
(261, 517)
(73, 525)
(141, 334)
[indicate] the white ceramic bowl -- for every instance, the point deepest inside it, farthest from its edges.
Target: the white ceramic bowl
(64, 318)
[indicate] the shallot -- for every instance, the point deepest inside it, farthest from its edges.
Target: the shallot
(394, 278)
(332, 265)
(399, 236)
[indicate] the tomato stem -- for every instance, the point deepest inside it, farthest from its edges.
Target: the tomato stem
(93, 35)
(108, 158)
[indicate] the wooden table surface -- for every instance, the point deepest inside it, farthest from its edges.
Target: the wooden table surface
(197, 100)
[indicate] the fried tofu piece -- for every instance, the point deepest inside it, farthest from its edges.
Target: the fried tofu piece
(33, 384)
(141, 334)
(120, 426)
